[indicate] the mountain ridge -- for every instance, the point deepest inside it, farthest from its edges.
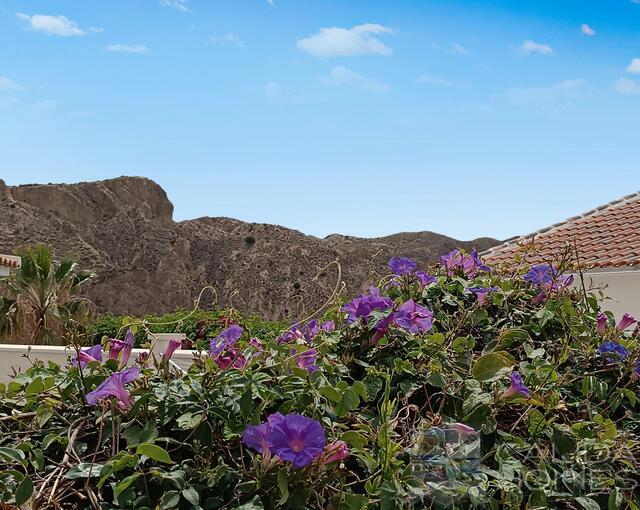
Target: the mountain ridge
(145, 262)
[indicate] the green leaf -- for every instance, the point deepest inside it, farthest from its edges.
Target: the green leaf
(24, 491)
(154, 452)
(353, 502)
(614, 501)
(331, 393)
(492, 366)
(283, 485)
(43, 414)
(125, 484)
(563, 440)
(437, 380)
(191, 495)
(37, 459)
(246, 403)
(354, 439)
(170, 500)
(11, 454)
(34, 387)
(118, 462)
(587, 503)
(373, 385)
(360, 389)
(509, 337)
(348, 402)
(134, 435)
(189, 421)
(254, 504)
(537, 500)
(82, 470)
(49, 439)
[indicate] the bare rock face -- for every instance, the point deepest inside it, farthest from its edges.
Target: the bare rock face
(122, 229)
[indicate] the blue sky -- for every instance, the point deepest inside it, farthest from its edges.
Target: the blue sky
(465, 117)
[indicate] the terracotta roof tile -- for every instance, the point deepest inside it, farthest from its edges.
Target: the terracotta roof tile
(607, 236)
(9, 261)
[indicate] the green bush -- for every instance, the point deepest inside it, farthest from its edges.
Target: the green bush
(195, 324)
(525, 362)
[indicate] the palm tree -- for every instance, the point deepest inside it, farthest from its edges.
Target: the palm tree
(42, 297)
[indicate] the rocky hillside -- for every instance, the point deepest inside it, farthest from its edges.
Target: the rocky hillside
(123, 230)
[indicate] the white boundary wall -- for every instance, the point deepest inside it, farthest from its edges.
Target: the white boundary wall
(13, 356)
(623, 290)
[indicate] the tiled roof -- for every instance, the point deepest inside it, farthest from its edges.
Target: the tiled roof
(608, 236)
(9, 261)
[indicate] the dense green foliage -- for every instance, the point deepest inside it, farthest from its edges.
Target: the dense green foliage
(40, 303)
(574, 443)
(196, 325)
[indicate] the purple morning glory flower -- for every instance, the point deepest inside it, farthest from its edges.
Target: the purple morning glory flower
(87, 356)
(230, 358)
(401, 266)
(335, 452)
(257, 436)
(291, 335)
(517, 387)
(481, 293)
(309, 331)
(626, 321)
(225, 339)
(620, 351)
(381, 328)
(328, 326)
(425, 279)
(638, 369)
(113, 386)
(171, 348)
(362, 306)
(452, 261)
(540, 298)
(307, 359)
(602, 323)
(413, 318)
(256, 344)
(541, 274)
(470, 264)
(129, 341)
(297, 439)
(115, 348)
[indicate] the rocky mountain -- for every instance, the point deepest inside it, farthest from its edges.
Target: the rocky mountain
(123, 230)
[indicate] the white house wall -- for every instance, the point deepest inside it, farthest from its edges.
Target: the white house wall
(623, 289)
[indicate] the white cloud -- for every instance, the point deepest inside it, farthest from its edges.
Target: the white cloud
(626, 86)
(587, 30)
(342, 76)
(54, 25)
(275, 93)
(128, 48)
(7, 84)
(344, 42)
(181, 5)
(634, 66)
(429, 79)
(528, 47)
(559, 94)
(228, 39)
(271, 3)
(458, 49)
